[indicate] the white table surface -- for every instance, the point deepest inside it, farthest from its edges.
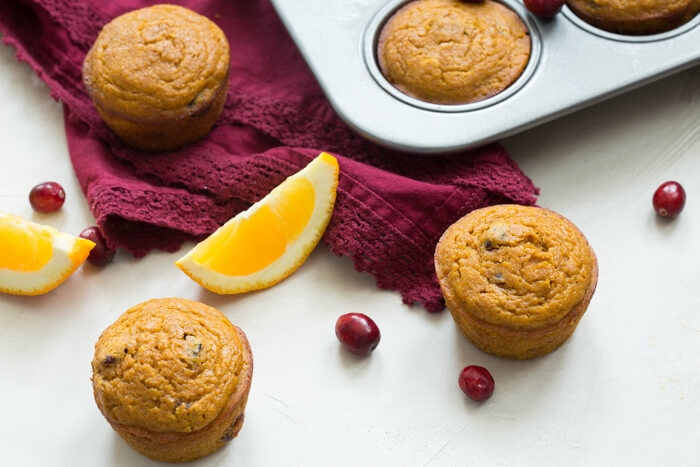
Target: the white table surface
(624, 390)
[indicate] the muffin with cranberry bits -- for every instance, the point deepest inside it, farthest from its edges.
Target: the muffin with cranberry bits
(516, 279)
(158, 76)
(172, 377)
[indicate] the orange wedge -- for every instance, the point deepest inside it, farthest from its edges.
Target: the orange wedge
(269, 241)
(34, 258)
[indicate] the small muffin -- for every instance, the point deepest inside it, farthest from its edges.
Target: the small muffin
(516, 279)
(158, 76)
(453, 52)
(635, 17)
(172, 378)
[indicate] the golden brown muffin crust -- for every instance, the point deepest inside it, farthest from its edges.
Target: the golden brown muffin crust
(168, 365)
(453, 52)
(156, 63)
(635, 16)
(516, 267)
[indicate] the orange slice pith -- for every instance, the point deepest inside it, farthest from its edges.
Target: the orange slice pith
(266, 243)
(35, 259)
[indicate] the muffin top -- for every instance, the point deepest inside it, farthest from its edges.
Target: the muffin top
(453, 52)
(168, 365)
(635, 16)
(514, 266)
(156, 63)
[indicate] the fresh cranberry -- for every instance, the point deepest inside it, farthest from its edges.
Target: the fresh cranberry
(669, 199)
(100, 254)
(544, 8)
(47, 197)
(476, 382)
(358, 333)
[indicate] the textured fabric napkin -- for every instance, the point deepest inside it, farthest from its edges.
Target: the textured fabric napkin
(391, 208)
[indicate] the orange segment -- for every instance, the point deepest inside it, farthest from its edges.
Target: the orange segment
(36, 258)
(31, 247)
(257, 241)
(295, 206)
(81, 250)
(252, 244)
(266, 243)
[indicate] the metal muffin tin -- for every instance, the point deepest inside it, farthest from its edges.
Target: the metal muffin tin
(572, 65)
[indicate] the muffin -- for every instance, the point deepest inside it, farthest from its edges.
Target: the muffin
(635, 17)
(172, 378)
(158, 76)
(453, 52)
(516, 279)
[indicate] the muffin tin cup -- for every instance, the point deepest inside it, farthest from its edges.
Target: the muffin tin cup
(572, 65)
(371, 38)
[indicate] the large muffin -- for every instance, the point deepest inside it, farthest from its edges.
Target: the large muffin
(158, 76)
(453, 52)
(516, 279)
(635, 17)
(172, 378)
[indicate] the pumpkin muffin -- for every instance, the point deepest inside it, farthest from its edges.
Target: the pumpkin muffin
(453, 52)
(516, 279)
(172, 378)
(158, 76)
(635, 17)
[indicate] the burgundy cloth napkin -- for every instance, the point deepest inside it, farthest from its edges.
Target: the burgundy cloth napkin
(391, 208)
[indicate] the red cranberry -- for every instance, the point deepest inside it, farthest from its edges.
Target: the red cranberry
(476, 382)
(358, 333)
(100, 254)
(47, 197)
(669, 199)
(544, 8)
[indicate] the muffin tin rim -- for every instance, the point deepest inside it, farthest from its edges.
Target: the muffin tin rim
(374, 27)
(629, 38)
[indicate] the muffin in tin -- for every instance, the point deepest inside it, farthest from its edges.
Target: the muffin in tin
(172, 377)
(158, 76)
(452, 52)
(635, 17)
(516, 279)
